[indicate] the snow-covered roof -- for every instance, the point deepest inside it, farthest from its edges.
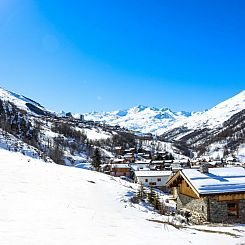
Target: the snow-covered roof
(180, 161)
(230, 159)
(120, 166)
(152, 173)
(218, 180)
(118, 160)
(128, 155)
(141, 162)
(138, 168)
(157, 162)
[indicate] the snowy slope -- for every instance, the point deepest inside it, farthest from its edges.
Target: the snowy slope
(11, 143)
(22, 102)
(140, 118)
(216, 115)
(51, 204)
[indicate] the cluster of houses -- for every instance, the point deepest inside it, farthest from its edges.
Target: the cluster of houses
(208, 191)
(145, 168)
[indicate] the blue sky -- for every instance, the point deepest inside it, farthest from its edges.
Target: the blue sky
(97, 55)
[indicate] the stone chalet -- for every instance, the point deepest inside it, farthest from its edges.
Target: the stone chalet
(215, 194)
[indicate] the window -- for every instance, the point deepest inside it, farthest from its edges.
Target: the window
(152, 183)
(158, 179)
(232, 209)
(146, 180)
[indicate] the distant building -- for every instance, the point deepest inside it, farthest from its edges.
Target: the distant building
(152, 178)
(129, 157)
(119, 170)
(68, 114)
(119, 150)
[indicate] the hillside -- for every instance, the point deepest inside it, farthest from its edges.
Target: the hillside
(63, 139)
(217, 132)
(51, 204)
(215, 116)
(23, 102)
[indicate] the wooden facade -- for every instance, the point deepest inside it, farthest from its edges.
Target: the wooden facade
(185, 188)
(117, 171)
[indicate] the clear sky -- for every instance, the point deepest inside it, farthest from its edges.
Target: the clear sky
(96, 55)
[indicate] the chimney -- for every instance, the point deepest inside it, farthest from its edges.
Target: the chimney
(204, 168)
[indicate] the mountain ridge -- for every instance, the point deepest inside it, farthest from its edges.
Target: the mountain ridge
(139, 118)
(157, 121)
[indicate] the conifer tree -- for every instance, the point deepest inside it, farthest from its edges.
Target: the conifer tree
(150, 195)
(96, 159)
(141, 194)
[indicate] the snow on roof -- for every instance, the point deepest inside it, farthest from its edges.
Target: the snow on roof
(128, 155)
(230, 159)
(118, 160)
(120, 166)
(180, 161)
(141, 162)
(137, 168)
(152, 173)
(157, 161)
(218, 180)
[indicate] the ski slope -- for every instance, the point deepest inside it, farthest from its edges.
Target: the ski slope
(48, 204)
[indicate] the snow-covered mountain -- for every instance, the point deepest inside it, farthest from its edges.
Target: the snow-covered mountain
(157, 121)
(219, 131)
(215, 116)
(140, 118)
(22, 102)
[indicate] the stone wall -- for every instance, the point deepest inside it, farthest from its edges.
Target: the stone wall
(209, 209)
(218, 212)
(197, 207)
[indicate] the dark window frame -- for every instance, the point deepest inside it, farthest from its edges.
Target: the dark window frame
(233, 209)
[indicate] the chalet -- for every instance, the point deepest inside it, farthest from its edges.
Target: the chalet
(118, 170)
(215, 194)
(119, 150)
(129, 157)
(230, 160)
(152, 178)
(175, 167)
(157, 164)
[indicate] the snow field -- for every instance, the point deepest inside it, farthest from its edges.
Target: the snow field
(45, 203)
